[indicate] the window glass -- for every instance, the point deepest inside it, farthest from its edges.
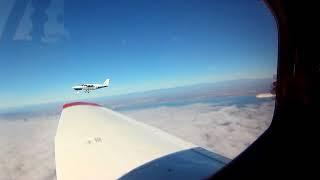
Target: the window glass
(200, 70)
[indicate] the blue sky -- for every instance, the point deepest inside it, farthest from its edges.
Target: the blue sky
(139, 45)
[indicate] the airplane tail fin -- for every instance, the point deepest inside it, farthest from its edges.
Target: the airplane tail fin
(106, 82)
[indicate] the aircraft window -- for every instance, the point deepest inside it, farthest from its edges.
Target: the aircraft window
(200, 70)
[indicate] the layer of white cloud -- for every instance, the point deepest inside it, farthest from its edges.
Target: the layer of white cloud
(27, 148)
(27, 144)
(227, 130)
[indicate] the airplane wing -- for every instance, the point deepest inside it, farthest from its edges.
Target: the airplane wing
(93, 142)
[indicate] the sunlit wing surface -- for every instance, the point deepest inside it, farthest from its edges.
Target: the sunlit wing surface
(93, 142)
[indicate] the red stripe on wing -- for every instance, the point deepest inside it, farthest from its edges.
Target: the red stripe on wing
(80, 103)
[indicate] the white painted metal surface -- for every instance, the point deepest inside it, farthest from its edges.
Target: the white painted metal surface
(94, 143)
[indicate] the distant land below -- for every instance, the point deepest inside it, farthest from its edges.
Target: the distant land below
(242, 91)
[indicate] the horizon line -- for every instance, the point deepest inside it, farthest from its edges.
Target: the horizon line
(125, 94)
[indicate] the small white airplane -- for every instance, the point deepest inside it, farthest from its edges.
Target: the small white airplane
(87, 87)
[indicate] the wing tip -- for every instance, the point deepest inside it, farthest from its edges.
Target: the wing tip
(79, 104)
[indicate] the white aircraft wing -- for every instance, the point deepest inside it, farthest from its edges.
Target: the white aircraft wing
(93, 142)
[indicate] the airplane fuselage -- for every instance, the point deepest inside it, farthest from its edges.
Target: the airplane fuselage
(90, 87)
